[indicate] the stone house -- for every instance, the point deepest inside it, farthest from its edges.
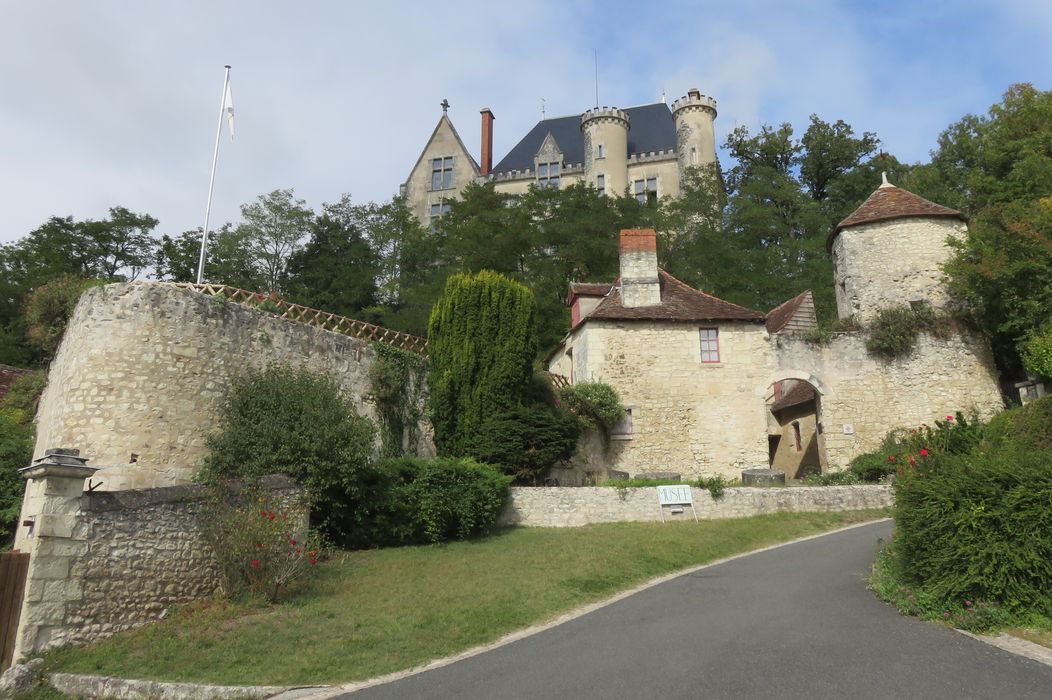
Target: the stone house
(713, 388)
(643, 150)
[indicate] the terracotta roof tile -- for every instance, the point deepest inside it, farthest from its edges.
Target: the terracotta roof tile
(679, 302)
(781, 315)
(587, 289)
(889, 202)
(802, 392)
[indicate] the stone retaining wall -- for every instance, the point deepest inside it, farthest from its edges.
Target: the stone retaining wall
(569, 507)
(105, 562)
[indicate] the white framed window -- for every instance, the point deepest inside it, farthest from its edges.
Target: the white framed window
(600, 183)
(548, 174)
(623, 429)
(442, 173)
(710, 344)
(645, 190)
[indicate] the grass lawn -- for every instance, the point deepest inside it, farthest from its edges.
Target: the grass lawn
(373, 612)
(1037, 636)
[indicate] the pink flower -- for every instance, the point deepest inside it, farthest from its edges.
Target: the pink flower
(967, 603)
(949, 418)
(945, 615)
(924, 452)
(913, 461)
(255, 563)
(891, 458)
(913, 430)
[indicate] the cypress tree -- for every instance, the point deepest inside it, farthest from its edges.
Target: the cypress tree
(481, 342)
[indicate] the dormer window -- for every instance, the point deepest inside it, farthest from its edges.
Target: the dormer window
(548, 174)
(442, 173)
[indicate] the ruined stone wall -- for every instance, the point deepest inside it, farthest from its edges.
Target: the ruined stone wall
(569, 507)
(890, 263)
(118, 560)
(137, 381)
(864, 397)
(688, 416)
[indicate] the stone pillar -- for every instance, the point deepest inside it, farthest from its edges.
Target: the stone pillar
(46, 531)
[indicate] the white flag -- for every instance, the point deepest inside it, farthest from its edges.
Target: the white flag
(228, 108)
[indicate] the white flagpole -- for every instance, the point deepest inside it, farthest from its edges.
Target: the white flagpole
(212, 180)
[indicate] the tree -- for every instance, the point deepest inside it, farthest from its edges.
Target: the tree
(481, 343)
(272, 228)
(830, 151)
(338, 268)
(228, 260)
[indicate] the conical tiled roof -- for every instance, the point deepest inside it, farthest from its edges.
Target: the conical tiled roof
(890, 202)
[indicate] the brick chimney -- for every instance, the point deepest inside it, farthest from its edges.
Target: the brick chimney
(487, 140)
(639, 270)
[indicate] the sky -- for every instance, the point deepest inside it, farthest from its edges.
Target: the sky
(107, 103)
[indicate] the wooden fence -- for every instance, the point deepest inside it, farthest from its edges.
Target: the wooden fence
(13, 569)
(312, 317)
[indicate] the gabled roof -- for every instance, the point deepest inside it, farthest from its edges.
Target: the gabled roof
(587, 289)
(679, 302)
(890, 202)
(650, 129)
(446, 120)
(800, 309)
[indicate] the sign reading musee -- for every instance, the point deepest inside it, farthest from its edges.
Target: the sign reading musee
(677, 495)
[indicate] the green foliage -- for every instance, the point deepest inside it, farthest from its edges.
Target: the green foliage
(595, 403)
(1027, 427)
(525, 441)
(841, 478)
(434, 500)
(270, 306)
(271, 229)
(826, 330)
(481, 345)
(229, 261)
(17, 409)
(291, 421)
(1037, 353)
(262, 547)
(715, 484)
(894, 331)
(49, 308)
(396, 382)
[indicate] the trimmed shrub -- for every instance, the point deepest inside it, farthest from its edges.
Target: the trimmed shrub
(292, 421)
(481, 345)
(434, 500)
(525, 442)
(978, 526)
(1029, 426)
(595, 403)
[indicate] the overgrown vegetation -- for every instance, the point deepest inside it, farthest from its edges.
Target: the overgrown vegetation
(17, 411)
(49, 308)
(396, 382)
(973, 542)
(894, 331)
(525, 441)
(289, 421)
(375, 612)
(595, 403)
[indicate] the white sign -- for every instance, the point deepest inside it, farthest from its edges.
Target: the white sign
(849, 429)
(677, 495)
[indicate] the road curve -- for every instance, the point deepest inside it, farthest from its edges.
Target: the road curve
(791, 622)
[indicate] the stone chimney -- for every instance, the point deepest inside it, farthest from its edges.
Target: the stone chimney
(487, 141)
(639, 270)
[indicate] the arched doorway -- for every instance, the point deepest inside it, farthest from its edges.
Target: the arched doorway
(794, 426)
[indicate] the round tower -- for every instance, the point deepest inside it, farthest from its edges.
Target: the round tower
(605, 131)
(693, 117)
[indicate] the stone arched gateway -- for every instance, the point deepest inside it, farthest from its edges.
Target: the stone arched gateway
(795, 431)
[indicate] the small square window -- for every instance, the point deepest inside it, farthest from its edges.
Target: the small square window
(710, 345)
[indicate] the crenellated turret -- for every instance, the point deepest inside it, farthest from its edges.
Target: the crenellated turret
(693, 116)
(605, 131)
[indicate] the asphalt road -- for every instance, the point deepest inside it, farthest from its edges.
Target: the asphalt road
(793, 622)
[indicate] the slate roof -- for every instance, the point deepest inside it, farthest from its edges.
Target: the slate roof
(679, 302)
(890, 202)
(782, 314)
(802, 392)
(650, 129)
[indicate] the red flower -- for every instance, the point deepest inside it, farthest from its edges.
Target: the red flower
(255, 563)
(272, 515)
(292, 542)
(891, 458)
(259, 545)
(924, 452)
(949, 418)
(312, 555)
(313, 562)
(913, 430)
(262, 513)
(913, 461)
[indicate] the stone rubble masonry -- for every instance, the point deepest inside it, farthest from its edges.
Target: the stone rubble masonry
(570, 507)
(85, 686)
(139, 376)
(126, 558)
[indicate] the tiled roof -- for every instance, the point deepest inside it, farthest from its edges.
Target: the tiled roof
(650, 129)
(778, 317)
(587, 289)
(802, 392)
(889, 202)
(679, 302)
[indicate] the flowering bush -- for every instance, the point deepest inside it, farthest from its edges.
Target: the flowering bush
(262, 547)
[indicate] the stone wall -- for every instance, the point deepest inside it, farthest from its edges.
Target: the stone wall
(105, 562)
(890, 263)
(569, 507)
(862, 397)
(137, 381)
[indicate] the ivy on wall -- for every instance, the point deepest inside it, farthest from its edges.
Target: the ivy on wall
(396, 382)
